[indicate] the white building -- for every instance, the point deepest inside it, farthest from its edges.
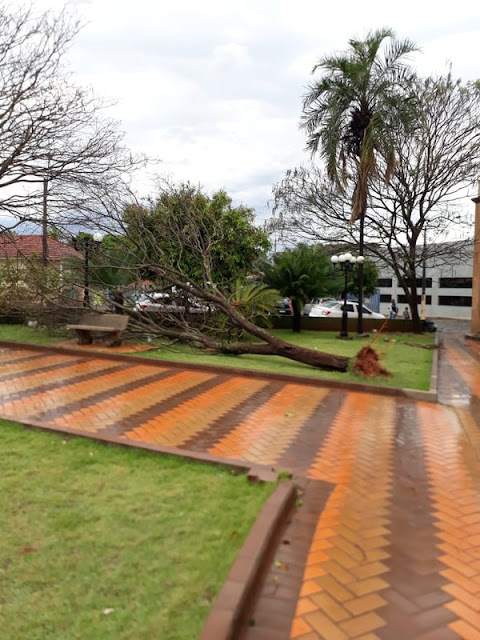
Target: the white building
(448, 288)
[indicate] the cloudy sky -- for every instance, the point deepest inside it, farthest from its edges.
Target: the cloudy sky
(214, 88)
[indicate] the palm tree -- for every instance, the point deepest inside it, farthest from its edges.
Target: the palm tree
(301, 274)
(349, 112)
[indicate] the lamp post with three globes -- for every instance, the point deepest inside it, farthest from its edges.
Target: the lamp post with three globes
(346, 263)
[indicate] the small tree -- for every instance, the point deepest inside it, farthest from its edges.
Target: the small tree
(210, 238)
(301, 274)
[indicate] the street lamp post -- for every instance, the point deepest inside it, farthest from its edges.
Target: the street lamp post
(97, 237)
(346, 262)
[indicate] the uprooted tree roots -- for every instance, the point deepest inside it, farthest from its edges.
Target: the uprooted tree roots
(367, 363)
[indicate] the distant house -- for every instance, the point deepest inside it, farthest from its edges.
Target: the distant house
(23, 248)
(23, 281)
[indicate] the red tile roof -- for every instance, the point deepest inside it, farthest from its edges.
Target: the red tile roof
(27, 246)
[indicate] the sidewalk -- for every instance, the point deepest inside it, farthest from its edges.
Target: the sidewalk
(387, 541)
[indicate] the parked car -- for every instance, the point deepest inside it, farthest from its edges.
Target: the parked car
(284, 307)
(315, 301)
(334, 309)
(161, 302)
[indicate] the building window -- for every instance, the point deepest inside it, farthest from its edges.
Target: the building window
(418, 283)
(384, 282)
(455, 301)
(385, 297)
(456, 283)
(402, 299)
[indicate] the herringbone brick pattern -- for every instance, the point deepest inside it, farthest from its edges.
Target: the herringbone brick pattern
(343, 579)
(386, 544)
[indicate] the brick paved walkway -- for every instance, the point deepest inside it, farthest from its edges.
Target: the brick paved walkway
(387, 542)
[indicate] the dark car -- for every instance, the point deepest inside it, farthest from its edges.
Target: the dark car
(284, 307)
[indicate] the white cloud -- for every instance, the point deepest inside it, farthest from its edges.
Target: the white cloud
(227, 57)
(214, 88)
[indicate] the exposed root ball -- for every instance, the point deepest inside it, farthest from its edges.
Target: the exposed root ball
(367, 363)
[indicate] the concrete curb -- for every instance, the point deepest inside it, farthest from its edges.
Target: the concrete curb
(230, 613)
(427, 396)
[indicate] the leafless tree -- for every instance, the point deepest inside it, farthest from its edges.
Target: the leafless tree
(437, 160)
(57, 142)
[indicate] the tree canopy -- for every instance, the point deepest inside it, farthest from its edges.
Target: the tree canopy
(348, 113)
(204, 237)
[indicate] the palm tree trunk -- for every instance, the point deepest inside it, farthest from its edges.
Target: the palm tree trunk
(297, 317)
(360, 277)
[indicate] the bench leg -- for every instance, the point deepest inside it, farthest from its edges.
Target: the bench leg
(84, 337)
(114, 340)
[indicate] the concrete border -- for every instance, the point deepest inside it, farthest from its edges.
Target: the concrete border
(417, 394)
(230, 613)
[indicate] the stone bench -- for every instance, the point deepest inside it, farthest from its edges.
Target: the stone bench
(109, 325)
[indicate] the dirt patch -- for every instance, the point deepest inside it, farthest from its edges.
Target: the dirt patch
(367, 363)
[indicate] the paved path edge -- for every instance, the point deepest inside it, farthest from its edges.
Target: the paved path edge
(230, 612)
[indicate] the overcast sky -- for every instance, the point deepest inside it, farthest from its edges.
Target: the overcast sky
(214, 88)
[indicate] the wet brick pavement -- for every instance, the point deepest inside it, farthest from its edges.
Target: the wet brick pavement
(386, 544)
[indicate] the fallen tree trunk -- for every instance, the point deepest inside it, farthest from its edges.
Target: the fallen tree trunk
(274, 346)
(292, 352)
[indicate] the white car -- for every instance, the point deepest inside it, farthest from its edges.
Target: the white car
(163, 302)
(334, 309)
(315, 301)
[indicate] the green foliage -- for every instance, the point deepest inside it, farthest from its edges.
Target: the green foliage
(113, 263)
(254, 301)
(25, 283)
(301, 274)
(349, 112)
(370, 277)
(204, 237)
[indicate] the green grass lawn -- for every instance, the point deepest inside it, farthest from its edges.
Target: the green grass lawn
(401, 353)
(22, 333)
(105, 543)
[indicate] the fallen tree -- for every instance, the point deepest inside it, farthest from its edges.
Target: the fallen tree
(178, 326)
(181, 241)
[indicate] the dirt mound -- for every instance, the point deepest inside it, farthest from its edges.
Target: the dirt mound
(367, 363)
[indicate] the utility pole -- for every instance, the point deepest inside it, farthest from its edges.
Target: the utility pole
(46, 178)
(45, 223)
